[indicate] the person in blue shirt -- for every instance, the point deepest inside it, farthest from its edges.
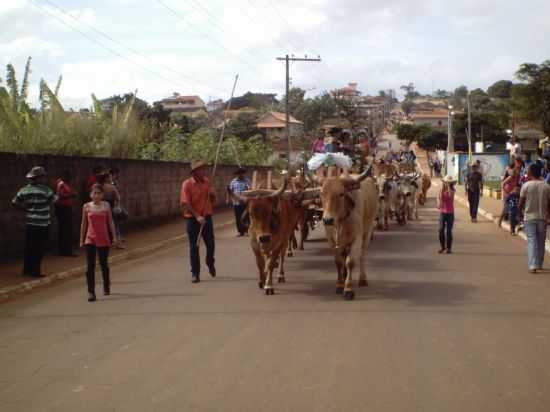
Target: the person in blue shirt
(238, 185)
(513, 209)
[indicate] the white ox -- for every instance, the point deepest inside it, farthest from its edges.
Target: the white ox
(409, 186)
(388, 194)
(350, 204)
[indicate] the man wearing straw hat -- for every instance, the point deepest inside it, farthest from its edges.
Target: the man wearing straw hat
(35, 199)
(196, 202)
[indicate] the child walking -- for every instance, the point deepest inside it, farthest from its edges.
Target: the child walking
(95, 235)
(446, 200)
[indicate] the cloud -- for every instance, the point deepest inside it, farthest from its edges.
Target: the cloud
(381, 45)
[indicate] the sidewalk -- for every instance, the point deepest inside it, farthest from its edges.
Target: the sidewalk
(139, 243)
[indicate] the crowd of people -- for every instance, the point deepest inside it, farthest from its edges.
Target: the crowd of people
(102, 214)
(525, 188)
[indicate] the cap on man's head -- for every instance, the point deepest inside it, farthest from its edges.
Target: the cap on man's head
(35, 172)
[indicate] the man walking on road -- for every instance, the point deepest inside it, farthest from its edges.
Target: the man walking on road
(35, 199)
(535, 203)
(196, 203)
(238, 185)
(474, 189)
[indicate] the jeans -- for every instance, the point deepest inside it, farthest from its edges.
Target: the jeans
(239, 211)
(473, 200)
(536, 239)
(513, 214)
(35, 244)
(103, 253)
(64, 230)
(446, 221)
(193, 229)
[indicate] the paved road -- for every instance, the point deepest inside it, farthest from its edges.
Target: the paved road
(464, 332)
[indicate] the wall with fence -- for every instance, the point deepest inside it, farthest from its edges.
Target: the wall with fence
(150, 190)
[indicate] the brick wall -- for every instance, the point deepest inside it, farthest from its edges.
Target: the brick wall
(149, 189)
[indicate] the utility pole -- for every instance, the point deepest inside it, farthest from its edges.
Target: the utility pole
(469, 129)
(287, 59)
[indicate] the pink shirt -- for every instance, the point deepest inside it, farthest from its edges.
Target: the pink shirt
(98, 228)
(446, 204)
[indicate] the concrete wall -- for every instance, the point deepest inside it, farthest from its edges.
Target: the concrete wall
(150, 190)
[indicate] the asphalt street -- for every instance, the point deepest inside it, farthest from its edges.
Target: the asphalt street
(468, 331)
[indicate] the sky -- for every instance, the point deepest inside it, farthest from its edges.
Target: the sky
(196, 47)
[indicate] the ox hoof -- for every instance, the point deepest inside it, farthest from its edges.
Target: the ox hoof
(349, 295)
(261, 285)
(363, 282)
(339, 290)
(269, 291)
(281, 279)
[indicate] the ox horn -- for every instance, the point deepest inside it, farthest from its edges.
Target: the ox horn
(281, 190)
(364, 175)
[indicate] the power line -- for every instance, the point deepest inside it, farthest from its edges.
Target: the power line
(281, 45)
(212, 39)
(286, 21)
(110, 50)
(213, 19)
(131, 49)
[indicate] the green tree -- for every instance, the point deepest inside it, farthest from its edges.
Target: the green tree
(532, 96)
(410, 92)
(501, 89)
(442, 94)
(407, 106)
(244, 126)
(430, 139)
(461, 92)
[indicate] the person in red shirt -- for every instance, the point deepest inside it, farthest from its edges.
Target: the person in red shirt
(97, 225)
(64, 213)
(196, 201)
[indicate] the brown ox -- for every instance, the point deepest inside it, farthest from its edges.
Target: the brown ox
(425, 185)
(271, 224)
(350, 205)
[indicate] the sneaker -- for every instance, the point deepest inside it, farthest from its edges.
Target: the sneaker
(195, 279)
(107, 290)
(440, 251)
(533, 271)
(449, 251)
(91, 297)
(212, 270)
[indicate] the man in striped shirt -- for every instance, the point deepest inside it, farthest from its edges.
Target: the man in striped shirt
(35, 199)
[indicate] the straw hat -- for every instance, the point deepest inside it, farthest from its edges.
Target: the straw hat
(36, 171)
(197, 165)
(449, 179)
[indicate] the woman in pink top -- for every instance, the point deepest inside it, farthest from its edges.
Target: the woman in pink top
(446, 207)
(95, 235)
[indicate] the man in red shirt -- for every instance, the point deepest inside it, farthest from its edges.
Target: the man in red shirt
(64, 213)
(196, 202)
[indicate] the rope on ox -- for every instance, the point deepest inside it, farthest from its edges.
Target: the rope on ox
(218, 149)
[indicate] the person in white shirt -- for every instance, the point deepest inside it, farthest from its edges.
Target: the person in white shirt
(534, 202)
(515, 149)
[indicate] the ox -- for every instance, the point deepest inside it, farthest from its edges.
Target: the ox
(409, 187)
(425, 185)
(272, 222)
(349, 210)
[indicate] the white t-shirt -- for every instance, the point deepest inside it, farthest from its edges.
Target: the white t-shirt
(537, 197)
(515, 149)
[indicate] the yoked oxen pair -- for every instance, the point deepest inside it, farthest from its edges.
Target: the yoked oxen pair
(272, 222)
(350, 204)
(388, 194)
(408, 185)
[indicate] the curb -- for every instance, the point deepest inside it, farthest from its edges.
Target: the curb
(11, 291)
(489, 216)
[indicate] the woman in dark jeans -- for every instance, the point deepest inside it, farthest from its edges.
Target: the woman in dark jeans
(445, 202)
(95, 235)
